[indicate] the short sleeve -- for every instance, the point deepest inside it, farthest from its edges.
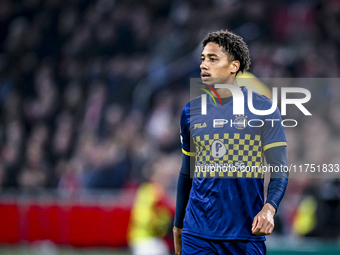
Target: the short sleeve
(185, 131)
(273, 133)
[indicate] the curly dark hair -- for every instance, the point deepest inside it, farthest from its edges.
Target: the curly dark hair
(233, 45)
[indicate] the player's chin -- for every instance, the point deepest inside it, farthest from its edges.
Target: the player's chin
(208, 81)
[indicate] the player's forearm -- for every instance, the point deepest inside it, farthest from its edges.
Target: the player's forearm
(183, 191)
(277, 156)
(269, 207)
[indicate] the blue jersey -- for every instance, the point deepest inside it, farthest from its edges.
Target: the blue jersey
(232, 147)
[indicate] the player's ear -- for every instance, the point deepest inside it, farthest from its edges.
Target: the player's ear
(235, 65)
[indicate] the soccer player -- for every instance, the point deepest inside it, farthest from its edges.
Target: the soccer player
(225, 212)
(151, 212)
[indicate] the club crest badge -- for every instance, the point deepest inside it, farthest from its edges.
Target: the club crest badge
(240, 122)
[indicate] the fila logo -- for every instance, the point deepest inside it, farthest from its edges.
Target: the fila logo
(200, 125)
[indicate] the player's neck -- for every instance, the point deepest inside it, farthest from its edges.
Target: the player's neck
(224, 93)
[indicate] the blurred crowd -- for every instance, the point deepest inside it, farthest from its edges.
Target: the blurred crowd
(68, 70)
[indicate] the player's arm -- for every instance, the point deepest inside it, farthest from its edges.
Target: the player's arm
(183, 192)
(275, 150)
(263, 223)
(184, 181)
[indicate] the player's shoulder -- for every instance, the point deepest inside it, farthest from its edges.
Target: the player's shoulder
(261, 100)
(192, 104)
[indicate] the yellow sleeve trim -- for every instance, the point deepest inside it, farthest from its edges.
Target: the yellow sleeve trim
(188, 153)
(272, 145)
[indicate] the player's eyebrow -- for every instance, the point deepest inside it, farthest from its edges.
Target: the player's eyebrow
(210, 55)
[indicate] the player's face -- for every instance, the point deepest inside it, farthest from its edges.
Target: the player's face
(215, 66)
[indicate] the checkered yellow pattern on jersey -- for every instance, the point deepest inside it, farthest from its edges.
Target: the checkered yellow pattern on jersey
(245, 148)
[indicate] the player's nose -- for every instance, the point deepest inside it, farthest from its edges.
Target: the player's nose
(204, 65)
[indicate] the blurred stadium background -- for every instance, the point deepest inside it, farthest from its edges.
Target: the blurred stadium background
(91, 93)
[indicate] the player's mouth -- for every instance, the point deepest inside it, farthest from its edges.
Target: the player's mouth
(205, 76)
